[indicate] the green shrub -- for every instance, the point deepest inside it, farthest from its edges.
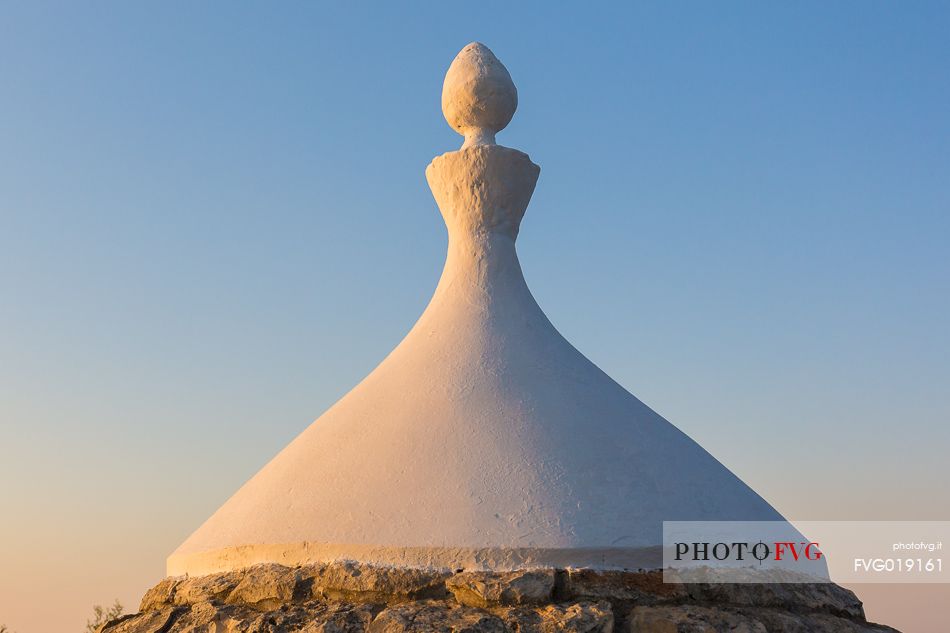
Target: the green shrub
(100, 616)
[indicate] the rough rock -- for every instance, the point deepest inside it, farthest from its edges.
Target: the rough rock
(574, 618)
(619, 587)
(435, 617)
(822, 597)
(267, 587)
(160, 595)
(349, 597)
(484, 589)
(339, 618)
(352, 581)
(215, 587)
(703, 619)
(690, 618)
(205, 616)
(150, 622)
(313, 617)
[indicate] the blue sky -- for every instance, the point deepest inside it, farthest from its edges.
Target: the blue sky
(214, 222)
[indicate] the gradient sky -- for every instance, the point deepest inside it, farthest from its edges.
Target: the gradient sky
(214, 222)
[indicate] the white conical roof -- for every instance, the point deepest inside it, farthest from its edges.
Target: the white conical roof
(484, 440)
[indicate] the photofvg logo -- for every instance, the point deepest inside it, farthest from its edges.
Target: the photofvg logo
(804, 551)
(740, 552)
(743, 551)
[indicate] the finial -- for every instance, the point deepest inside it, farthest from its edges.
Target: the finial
(478, 96)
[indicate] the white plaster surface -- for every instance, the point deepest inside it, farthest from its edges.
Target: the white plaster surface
(478, 96)
(484, 440)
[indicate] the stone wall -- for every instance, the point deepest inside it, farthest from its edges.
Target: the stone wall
(349, 597)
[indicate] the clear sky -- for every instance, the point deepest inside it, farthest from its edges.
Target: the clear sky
(214, 222)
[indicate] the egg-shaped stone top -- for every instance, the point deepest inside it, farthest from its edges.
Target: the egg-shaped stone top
(478, 96)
